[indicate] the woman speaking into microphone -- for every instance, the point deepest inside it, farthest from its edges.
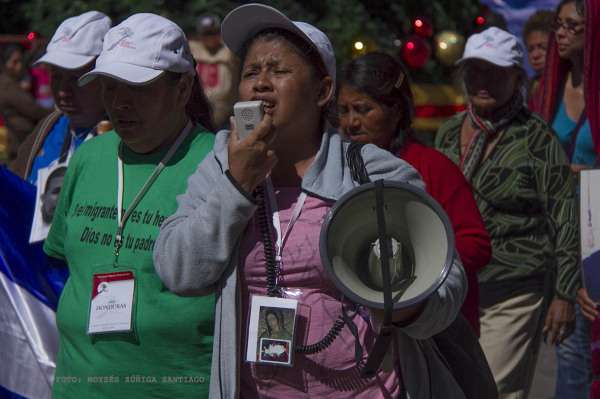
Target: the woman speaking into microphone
(215, 242)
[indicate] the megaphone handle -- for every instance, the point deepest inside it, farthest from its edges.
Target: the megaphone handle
(382, 343)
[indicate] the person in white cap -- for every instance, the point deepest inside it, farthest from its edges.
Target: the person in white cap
(122, 333)
(80, 113)
(219, 239)
(523, 186)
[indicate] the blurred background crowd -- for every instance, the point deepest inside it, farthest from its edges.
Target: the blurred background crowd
(428, 37)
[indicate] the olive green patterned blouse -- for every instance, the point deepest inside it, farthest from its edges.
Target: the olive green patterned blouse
(526, 194)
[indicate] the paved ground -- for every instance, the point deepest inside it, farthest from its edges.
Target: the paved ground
(544, 379)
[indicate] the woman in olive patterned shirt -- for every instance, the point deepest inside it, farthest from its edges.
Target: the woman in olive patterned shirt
(524, 189)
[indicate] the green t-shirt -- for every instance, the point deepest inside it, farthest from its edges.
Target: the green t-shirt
(173, 356)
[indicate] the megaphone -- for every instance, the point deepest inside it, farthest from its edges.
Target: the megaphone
(421, 244)
(386, 245)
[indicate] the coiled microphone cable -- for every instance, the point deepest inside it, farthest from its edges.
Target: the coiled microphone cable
(272, 269)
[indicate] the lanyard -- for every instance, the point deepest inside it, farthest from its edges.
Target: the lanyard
(276, 221)
(122, 219)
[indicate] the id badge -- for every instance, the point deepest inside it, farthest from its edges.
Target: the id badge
(271, 330)
(112, 304)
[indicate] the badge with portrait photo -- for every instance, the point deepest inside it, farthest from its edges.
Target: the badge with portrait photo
(50, 180)
(271, 330)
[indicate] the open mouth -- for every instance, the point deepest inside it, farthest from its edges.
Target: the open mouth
(68, 108)
(268, 107)
(357, 136)
(125, 124)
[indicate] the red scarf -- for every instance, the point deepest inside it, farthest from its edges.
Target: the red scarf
(543, 99)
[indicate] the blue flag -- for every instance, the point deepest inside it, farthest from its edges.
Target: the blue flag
(29, 292)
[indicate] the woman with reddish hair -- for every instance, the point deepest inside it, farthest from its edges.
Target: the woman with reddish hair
(567, 98)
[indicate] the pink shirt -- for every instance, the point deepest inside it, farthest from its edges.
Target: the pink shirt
(331, 373)
(41, 84)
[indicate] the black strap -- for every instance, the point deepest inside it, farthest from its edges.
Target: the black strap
(387, 331)
(401, 384)
(387, 334)
(384, 248)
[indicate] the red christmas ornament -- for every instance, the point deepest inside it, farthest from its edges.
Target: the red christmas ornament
(422, 26)
(30, 37)
(415, 52)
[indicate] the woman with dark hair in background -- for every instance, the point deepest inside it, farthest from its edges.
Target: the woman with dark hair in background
(18, 107)
(560, 97)
(375, 105)
(117, 322)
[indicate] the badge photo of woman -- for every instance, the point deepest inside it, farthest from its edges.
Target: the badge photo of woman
(275, 325)
(274, 330)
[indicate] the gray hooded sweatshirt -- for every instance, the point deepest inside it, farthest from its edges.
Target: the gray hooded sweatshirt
(196, 254)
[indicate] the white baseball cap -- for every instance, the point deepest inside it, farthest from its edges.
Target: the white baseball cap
(140, 49)
(77, 41)
(244, 22)
(495, 46)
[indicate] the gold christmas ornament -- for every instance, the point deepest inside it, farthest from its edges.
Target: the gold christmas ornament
(449, 46)
(363, 45)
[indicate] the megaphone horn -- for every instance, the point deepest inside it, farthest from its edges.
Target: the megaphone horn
(386, 245)
(421, 244)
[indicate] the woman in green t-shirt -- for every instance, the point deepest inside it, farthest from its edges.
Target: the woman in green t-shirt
(123, 334)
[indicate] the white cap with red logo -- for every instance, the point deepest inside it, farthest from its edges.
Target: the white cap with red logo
(495, 46)
(142, 48)
(77, 41)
